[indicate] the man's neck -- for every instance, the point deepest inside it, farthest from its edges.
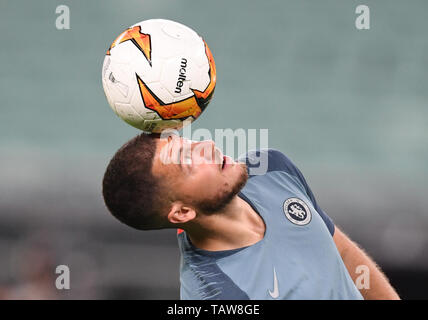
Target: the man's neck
(238, 225)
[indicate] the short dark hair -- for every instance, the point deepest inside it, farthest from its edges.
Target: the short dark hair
(131, 192)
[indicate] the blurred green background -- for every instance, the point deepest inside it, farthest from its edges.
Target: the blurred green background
(348, 106)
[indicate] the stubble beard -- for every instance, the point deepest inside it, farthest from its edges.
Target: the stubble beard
(220, 202)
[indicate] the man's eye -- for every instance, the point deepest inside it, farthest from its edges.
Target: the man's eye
(187, 158)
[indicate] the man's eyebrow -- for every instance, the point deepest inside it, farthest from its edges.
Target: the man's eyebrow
(183, 159)
(170, 145)
(180, 152)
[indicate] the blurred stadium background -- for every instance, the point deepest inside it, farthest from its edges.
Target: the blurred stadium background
(349, 107)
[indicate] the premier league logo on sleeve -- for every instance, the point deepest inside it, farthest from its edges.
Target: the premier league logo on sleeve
(297, 211)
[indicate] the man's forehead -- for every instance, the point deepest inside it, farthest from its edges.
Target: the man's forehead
(161, 160)
(159, 167)
(178, 138)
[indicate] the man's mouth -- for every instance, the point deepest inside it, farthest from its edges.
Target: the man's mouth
(227, 162)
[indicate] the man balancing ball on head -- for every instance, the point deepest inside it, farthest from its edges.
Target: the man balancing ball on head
(241, 236)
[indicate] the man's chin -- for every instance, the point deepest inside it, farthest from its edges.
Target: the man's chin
(219, 203)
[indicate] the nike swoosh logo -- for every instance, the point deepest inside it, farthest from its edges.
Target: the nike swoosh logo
(275, 293)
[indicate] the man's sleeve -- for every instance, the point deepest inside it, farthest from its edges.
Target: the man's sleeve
(277, 161)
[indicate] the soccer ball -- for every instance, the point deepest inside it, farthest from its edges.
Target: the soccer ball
(158, 74)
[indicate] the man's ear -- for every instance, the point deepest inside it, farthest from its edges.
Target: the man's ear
(180, 213)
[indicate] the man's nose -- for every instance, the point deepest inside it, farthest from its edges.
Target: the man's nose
(204, 149)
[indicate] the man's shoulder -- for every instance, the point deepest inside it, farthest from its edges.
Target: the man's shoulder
(265, 160)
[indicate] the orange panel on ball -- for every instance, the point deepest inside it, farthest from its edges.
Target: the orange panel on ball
(141, 41)
(213, 76)
(176, 110)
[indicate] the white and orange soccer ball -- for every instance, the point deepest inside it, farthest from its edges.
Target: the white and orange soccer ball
(158, 74)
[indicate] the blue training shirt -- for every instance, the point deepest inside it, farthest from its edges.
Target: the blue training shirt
(296, 259)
